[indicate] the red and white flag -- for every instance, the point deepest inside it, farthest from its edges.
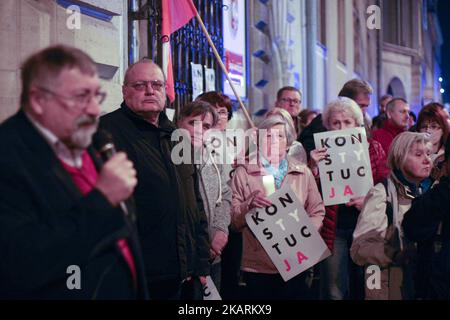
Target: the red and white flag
(175, 14)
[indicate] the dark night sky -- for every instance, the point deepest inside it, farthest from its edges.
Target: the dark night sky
(444, 13)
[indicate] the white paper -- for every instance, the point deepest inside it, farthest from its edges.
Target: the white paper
(197, 80)
(210, 291)
(287, 219)
(210, 79)
(347, 173)
(170, 113)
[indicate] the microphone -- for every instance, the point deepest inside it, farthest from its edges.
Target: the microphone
(103, 143)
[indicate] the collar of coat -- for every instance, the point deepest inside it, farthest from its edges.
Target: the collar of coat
(164, 124)
(405, 189)
(391, 128)
(254, 167)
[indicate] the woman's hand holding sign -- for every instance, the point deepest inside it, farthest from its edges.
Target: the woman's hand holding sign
(258, 200)
(317, 155)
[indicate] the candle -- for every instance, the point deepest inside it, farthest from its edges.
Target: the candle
(269, 184)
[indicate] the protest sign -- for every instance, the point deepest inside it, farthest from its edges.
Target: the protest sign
(210, 79)
(197, 80)
(210, 291)
(346, 172)
(287, 234)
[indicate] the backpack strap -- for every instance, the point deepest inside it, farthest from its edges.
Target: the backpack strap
(389, 209)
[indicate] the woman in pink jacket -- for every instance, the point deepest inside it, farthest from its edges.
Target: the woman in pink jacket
(261, 276)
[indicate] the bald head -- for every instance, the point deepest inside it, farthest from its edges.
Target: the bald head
(135, 65)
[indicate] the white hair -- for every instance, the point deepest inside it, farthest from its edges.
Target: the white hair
(342, 105)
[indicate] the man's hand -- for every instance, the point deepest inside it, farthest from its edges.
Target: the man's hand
(218, 243)
(117, 179)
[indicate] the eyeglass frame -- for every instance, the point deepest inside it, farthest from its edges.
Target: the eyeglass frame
(146, 83)
(428, 126)
(289, 100)
(102, 95)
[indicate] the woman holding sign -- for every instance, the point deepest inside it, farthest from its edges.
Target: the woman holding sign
(266, 171)
(340, 278)
(379, 243)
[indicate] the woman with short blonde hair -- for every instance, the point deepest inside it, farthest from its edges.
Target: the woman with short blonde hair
(378, 238)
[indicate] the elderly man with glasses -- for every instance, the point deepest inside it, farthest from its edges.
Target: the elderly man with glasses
(62, 233)
(171, 220)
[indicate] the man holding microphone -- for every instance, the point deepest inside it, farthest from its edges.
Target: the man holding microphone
(62, 232)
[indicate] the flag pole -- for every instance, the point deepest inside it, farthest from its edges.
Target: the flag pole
(222, 66)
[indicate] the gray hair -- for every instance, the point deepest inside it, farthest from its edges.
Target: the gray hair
(391, 104)
(401, 145)
(344, 105)
(280, 116)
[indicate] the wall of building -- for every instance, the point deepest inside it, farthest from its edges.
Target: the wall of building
(27, 26)
(275, 50)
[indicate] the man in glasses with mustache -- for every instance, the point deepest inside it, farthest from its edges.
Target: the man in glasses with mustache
(171, 221)
(62, 234)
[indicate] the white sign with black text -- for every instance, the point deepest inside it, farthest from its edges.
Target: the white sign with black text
(346, 172)
(287, 234)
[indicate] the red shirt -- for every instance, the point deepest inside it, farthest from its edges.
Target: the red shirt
(85, 179)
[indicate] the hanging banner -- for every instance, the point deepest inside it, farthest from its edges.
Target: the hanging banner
(346, 172)
(287, 234)
(234, 46)
(197, 80)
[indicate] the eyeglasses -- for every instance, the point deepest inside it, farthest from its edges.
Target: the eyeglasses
(79, 100)
(433, 127)
(294, 101)
(223, 113)
(156, 85)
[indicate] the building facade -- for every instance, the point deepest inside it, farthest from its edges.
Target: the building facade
(392, 44)
(315, 45)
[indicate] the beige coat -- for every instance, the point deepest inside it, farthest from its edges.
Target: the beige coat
(247, 179)
(369, 238)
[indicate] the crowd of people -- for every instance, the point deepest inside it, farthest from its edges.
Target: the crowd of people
(121, 220)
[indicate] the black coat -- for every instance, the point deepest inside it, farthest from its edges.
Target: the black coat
(46, 225)
(170, 217)
(421, 224)
(306, 137)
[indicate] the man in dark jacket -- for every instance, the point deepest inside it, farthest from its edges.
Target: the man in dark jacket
(428, 222)
(62, 235)
(171, 221)
(355, 89)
